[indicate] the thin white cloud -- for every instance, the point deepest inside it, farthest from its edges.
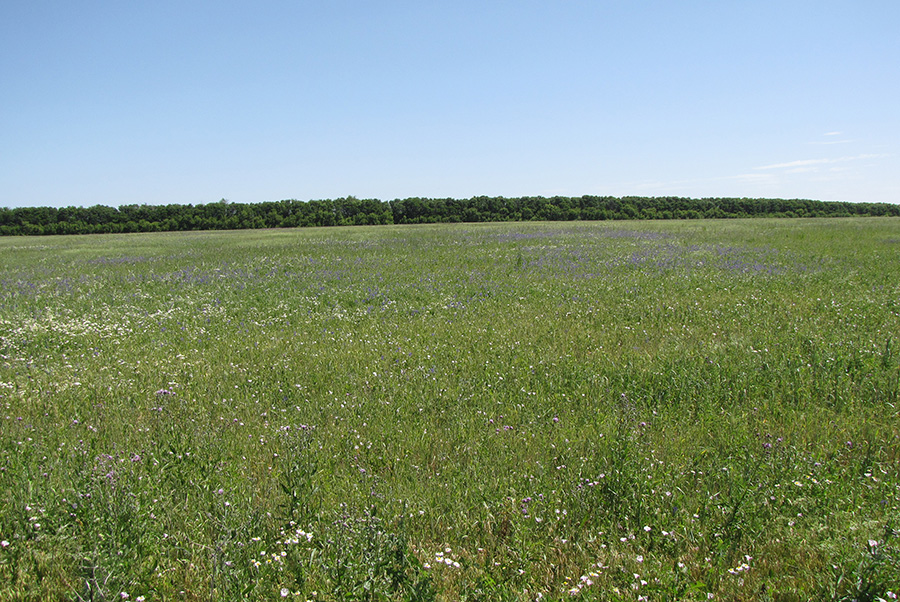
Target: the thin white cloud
(752, 177)
(808, 162)
(830, 139)
(796, 163)
(829, 142)
(804, 178)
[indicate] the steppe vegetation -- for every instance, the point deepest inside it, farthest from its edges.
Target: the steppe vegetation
(629, 410)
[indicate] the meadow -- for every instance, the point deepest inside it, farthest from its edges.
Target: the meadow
(692, 410)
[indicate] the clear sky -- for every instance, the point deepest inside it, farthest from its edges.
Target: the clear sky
(161, 101)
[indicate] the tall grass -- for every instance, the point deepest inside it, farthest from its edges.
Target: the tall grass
(606, 411)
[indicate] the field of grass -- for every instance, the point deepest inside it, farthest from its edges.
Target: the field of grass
(520, 411)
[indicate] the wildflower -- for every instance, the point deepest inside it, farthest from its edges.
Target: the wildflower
(4, 544)
(284, 592)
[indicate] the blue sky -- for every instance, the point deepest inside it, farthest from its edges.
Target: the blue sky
(126, 102)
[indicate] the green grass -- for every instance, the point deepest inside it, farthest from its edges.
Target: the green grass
(607, 411)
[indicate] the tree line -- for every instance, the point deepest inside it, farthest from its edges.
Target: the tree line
(348, 211)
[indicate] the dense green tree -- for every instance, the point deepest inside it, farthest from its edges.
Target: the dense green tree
(350, 210)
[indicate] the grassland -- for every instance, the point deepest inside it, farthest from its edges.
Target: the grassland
(521, 411)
